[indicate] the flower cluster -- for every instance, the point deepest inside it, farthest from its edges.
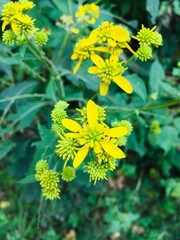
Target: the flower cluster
(147, 38)
(90, 138)
(21, 24)
(104, 47)
(48, 180)
(86, 15)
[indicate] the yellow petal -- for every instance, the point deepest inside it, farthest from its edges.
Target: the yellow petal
(111, 42)
(14, 28)
(92, 113)
(97, 60)
(71, 125)
(103, 88)
(120, 34)
(72, 135)
(123, 83)
(93, 70)
(114, 58)
(102, 49)
(80, 156)
(77, 66)
(112, 150)
(118, 131)
(5, 23)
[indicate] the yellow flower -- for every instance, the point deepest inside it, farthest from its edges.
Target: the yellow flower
(9, 13)
(82, 50)
(13, 14)
(93, 135)
(88, 13)
(109, 70)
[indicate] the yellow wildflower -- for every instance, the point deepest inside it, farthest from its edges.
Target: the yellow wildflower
(82, 50)
(93, 135)
(13, 14)
(88, 13)
(109, 70)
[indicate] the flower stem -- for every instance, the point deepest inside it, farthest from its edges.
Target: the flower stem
(66, 38)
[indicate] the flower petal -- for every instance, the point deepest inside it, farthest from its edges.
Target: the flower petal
(97, 60)
(80, 156)
(92, 113)
(111, 42)
(71, 125)
(77, 66)
(93, 70)
(114, 58)
(103, 89)
(112, 150)
(118, 131)
(123, 83)
(72, 135)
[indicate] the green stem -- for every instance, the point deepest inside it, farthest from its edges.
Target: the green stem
(35, 95)
(161, 105)
(66, 38)
(39, 212)
(50, 67)
(147, 108)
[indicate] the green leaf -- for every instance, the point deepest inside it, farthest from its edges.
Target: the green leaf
(168, 138)
(176, 7)
(170, 91)
(138, 86)
(25, 115)
(51, 90)
(152, 6)
(45, 146)
(156, 75)
(176, 191)
(28, 179)
(6, 147)
(14, 59)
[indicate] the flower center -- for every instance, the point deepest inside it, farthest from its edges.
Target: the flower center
(93, 135)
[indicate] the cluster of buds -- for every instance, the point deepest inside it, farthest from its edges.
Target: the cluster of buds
(14, 14)
(88, 141)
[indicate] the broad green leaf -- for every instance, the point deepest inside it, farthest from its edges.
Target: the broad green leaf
(138, 86)
(152, 6)
(156, 75)
(28, 179)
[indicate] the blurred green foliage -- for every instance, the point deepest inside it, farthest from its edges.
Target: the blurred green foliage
(141, 198)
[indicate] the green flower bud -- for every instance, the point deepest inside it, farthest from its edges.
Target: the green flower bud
(144, 53)
(96, 171)
(58, 114)
(68, 174)
(8, 37)
(40, 167)
(156, 39)
(41, 38)
(155, 127)
(49, 183)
